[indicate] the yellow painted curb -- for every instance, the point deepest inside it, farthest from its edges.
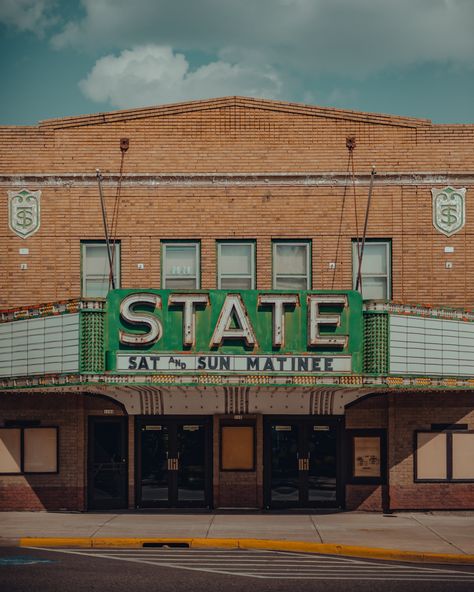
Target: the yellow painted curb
(272, 545)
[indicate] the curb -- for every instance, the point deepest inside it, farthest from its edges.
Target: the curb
(272, 545)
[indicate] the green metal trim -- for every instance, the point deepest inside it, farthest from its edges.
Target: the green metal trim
(91, 342)
(376, 343)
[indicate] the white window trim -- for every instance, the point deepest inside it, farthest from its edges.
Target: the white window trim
(196, 246)
(388, 255)
(85, 276)
(306, 244)
(220, 275)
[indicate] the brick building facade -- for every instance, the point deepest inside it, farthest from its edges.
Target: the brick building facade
(226, 195)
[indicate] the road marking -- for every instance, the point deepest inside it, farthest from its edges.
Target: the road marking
(275, 564)
(22, 560)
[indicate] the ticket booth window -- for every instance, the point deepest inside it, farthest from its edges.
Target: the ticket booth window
(237, 447)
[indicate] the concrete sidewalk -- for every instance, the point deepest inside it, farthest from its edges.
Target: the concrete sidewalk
(439, 532)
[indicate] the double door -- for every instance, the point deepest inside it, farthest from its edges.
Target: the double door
(174, 462)
(303, 462)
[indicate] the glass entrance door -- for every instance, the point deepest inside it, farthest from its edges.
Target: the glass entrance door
(302, 464)
(174, 464)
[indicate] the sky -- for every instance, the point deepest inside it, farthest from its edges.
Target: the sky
(72, 57)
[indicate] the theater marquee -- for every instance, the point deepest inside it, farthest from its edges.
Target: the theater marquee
(245, 332)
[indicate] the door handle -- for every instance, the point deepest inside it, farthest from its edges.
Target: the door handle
(173, 464)
(303, 464)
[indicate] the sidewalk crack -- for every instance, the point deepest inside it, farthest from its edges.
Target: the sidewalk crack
(438, 535)
(210, 525)
(316, 527)
(102, 525)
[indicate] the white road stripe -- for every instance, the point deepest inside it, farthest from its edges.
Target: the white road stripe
(266, 564)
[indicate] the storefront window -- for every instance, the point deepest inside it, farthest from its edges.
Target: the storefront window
(444, 456)
(29, 450)
(10, 451)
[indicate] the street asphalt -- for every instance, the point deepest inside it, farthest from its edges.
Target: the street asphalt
(123, 570)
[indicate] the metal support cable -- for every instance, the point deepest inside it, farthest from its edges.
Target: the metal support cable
(341, 218)
(106, 230)
(364, 234)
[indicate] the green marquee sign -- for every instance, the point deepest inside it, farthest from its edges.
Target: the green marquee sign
(243, 332)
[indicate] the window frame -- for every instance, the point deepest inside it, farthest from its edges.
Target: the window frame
(388, 253)
(253, 263)
(380, 433)
(449, 456)
(307, 243)
(117, 263)
(22, 429)
(238, 423)
(181, 243)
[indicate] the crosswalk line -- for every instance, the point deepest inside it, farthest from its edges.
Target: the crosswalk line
(277, 564)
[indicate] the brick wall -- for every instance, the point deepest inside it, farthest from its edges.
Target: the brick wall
(65, 490)
(402, 414)
(237, 136)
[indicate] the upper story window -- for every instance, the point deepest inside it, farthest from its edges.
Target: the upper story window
(236, 266)
(180, 265)
(95, 269)
(291, 265)
(376, 269)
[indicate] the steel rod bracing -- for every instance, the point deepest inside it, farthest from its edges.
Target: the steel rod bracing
(364, 234)
(106, 230)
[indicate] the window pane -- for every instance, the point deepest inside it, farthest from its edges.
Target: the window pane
(40, 450)
(97, 288)
(374, 288)
(181, 283)
(95, 269)
(180, 261)
(236, 284)
(10, 443)
(374, 259)
(291, 259)
(97, 262)
(431, 456)
(235, 259)
(463, 456)
(282, 283)
(237, 448)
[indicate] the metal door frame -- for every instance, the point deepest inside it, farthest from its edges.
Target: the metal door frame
(172, 421)
(303, 422)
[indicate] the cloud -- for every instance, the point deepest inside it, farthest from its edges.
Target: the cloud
(152, 74)
(340, 37)
(27, 15)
